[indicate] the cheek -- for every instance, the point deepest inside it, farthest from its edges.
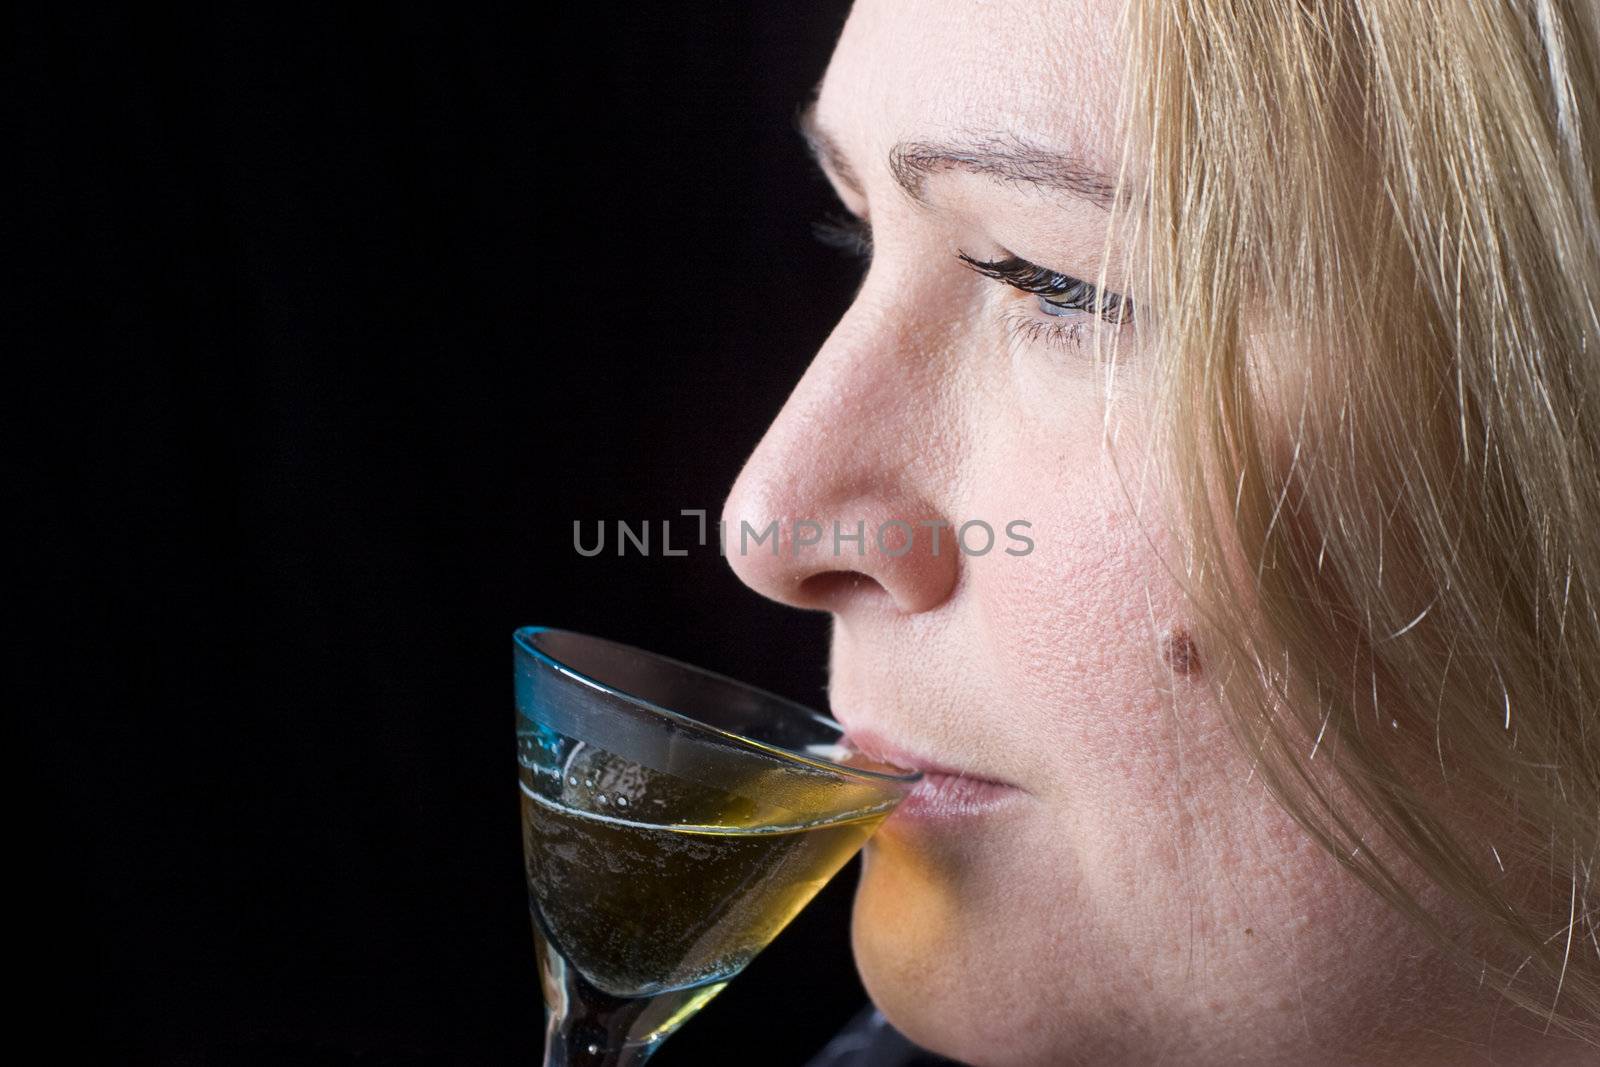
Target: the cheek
(1152, 871)
(1119, 744)
(1132, 756)
(1078, 631)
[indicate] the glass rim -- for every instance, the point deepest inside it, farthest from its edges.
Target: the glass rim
(523, 636)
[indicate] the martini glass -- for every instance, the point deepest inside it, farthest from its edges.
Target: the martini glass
(673, 821)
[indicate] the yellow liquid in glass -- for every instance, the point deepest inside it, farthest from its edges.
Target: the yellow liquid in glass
(645, 883)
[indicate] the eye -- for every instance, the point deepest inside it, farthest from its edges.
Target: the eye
(1061, 297)
(1063, 301)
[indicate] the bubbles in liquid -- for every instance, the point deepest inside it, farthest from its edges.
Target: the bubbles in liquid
(646, 881)
(640, 908)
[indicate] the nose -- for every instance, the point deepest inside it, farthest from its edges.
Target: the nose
(842, 504)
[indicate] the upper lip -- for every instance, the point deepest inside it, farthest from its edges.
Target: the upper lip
(874, 744)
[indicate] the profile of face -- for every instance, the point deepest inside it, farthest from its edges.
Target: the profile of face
(1093, 876)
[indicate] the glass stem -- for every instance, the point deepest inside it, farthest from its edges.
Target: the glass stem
(588, 1028)
(575, 1042)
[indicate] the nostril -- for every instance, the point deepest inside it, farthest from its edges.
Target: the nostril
(828, 586)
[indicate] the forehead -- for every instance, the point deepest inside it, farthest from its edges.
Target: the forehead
(1048, 70)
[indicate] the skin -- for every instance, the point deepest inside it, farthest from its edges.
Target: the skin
(1144, 901)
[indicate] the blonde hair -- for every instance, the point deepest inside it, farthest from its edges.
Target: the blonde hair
(1369, 256)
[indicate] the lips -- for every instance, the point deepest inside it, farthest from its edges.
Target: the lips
(945, 792)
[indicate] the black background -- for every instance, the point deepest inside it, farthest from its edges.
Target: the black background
(330, 324)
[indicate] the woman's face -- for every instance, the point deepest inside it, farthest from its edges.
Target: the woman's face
(1130, 891)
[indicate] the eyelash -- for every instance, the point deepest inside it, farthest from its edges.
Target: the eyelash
(846, 233)
(854, 236)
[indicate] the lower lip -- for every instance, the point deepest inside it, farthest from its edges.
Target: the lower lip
(941, 797)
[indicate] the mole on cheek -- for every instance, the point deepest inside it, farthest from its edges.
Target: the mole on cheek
(1179, 652)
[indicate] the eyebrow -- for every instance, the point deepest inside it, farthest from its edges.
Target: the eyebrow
(1004, 158)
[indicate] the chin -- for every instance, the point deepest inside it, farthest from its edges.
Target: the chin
(936, 968)
(982, 970)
